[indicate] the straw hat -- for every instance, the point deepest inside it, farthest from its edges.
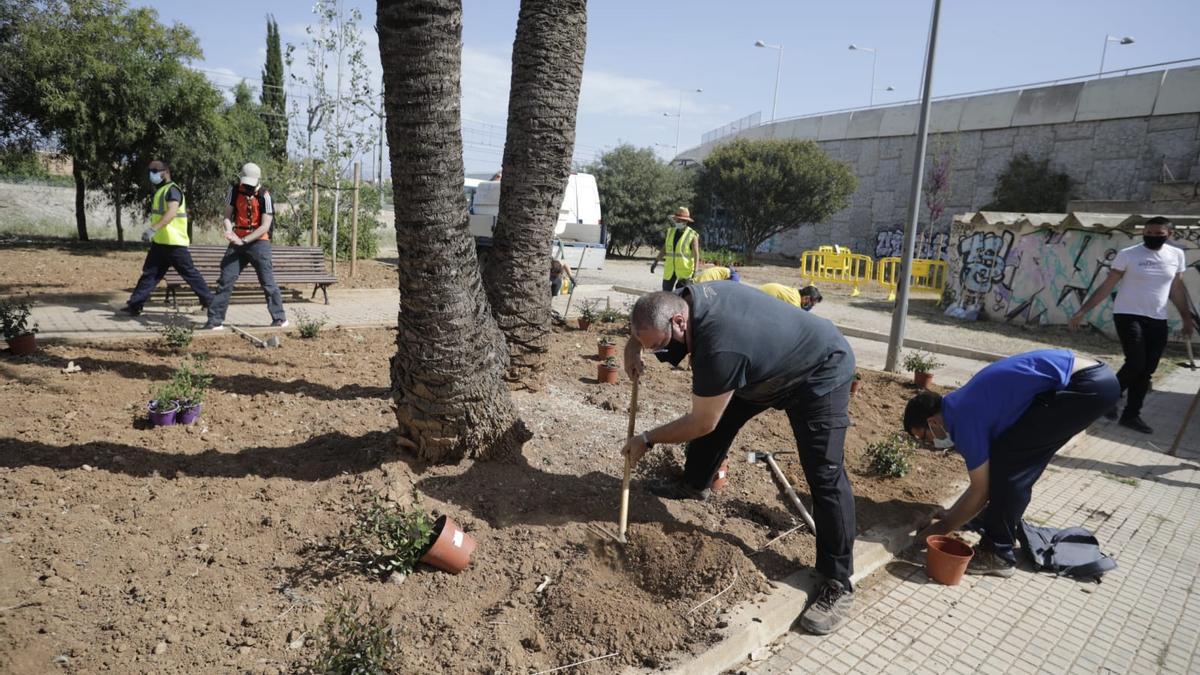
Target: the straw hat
(682, 213)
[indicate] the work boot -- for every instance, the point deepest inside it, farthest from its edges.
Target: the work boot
(675, 488)
(1111, 413)
(986, 562)
(1136, 424)
(830, 610)
(130, 310)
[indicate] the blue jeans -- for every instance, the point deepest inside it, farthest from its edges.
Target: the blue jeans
(1021, 453)
(257, 254)
(161, 258)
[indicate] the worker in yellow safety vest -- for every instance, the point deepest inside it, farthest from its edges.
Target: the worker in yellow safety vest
(168, 237)
(805, 298)
(681, 251)
(716, 273)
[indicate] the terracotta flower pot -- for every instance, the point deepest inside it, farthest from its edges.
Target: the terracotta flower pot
(946, 559)
(164, 417)
(922, 380)
(23, 345)
(722, 478)
(607, 374)
(584, 323)
(606, 351)
(451, 548)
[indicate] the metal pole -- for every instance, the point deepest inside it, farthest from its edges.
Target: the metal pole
(1103, 53)
(354, 221)
(316, 202)
(778, 68)
(874, 60)
(678, 119)
(900, 313)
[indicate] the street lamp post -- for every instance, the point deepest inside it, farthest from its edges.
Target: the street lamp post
(778, 69)
(1104, 52)
(679, 117)
(874, 61)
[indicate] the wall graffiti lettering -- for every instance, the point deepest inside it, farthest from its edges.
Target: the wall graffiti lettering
(890, 243)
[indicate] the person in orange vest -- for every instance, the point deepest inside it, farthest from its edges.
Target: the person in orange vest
(249, 212)
(681, 251)
(168, 237)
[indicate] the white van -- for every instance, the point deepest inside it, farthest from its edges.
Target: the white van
(579, 236)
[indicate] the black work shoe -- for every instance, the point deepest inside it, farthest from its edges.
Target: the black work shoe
(130, 311)
(1111, 413)
(1136, 424)
(830, 610)
(988, 563)
(675, 488)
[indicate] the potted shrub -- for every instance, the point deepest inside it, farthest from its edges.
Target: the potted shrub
(587, 314)
(386, 540)
(855, 383)
(607, 347)
(191, 381)
(606, 370)
(164, 407)
(922, 364)
(21, 337)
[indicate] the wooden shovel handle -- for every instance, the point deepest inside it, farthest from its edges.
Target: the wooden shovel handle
(623, 523)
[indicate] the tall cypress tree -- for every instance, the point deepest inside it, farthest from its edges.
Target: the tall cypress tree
(274, 98)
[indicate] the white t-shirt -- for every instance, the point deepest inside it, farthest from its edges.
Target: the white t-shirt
(1146, 285)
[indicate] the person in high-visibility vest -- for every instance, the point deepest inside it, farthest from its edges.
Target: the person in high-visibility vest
(716, 273)
(681, 251)
(804, 298)
(168, 237)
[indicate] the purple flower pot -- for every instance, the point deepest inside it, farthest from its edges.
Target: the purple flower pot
(162, 418)
(188, 413)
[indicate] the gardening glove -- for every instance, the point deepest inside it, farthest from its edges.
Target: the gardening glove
(147, 233)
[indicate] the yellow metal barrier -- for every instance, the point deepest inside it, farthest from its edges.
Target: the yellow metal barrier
(836, 265)
(927, 275)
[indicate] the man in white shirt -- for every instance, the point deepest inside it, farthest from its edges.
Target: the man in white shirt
(1150, 275)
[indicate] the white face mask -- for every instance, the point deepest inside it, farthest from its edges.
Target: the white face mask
(156, 177)
(940, 443)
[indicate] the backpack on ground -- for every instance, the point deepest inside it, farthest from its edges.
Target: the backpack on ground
(1073, 552)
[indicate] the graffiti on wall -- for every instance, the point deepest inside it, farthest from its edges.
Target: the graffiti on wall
(890, 243)
(1042, 276)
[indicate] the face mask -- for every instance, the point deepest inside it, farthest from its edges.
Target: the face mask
(156, 177)
(1154, 242)
(807, 308)
(940, 443)
(672, 353)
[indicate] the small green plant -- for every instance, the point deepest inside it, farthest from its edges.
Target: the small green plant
(611, 315)
(192, 380)
(310, 327)
(588, 311)
(723, 257)
(921, 362)
(611, 362)
(606, 341)
(177, 332)
(384, 539)
(14, 317)
(890, 457)
(165, 397)
(356, 640)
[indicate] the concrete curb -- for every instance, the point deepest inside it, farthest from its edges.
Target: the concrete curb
(761, 620)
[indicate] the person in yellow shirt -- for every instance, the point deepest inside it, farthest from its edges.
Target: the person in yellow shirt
(716, 273)
(805, 298)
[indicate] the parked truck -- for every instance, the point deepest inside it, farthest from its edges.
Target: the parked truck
(579, 236)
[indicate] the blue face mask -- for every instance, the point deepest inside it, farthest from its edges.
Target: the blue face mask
(156, 177)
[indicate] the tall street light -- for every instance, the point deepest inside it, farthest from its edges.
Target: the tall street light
(778, 68)
(679, 116)
(874, 60)
(1103, 53)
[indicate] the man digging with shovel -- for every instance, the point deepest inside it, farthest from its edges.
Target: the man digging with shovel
(751, 352)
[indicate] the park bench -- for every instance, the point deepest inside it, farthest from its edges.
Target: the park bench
(292, 265)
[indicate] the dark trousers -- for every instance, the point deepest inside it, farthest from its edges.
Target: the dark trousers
(1143, 340)
(1022, 452)
(555, 286)
(258, 255)
(675, 282)
(819, 425)
(161, 258)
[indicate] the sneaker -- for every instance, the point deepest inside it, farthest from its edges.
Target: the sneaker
(988, 563)
(1111, 413)
(830, 610)
(212, 325)
(1136, 424)
(279, 323)
(675, 488)
(130, 311)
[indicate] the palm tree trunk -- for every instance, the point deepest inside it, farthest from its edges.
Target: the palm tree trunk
(451, 399)
(543, 99)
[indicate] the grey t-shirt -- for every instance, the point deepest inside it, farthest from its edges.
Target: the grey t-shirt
(763, 349)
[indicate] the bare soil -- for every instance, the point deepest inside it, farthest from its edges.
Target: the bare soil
(193, 549)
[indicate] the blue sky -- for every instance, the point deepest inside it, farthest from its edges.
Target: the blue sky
(641, 53)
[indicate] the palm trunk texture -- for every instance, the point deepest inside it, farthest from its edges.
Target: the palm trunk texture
(547, 70)
(447, 373)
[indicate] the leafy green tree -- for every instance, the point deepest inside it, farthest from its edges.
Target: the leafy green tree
(637, 193)
(274, 98)
(296, 224)
(755, 189)
(1030, 186)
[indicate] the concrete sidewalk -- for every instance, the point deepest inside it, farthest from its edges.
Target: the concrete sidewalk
(1143, 618)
